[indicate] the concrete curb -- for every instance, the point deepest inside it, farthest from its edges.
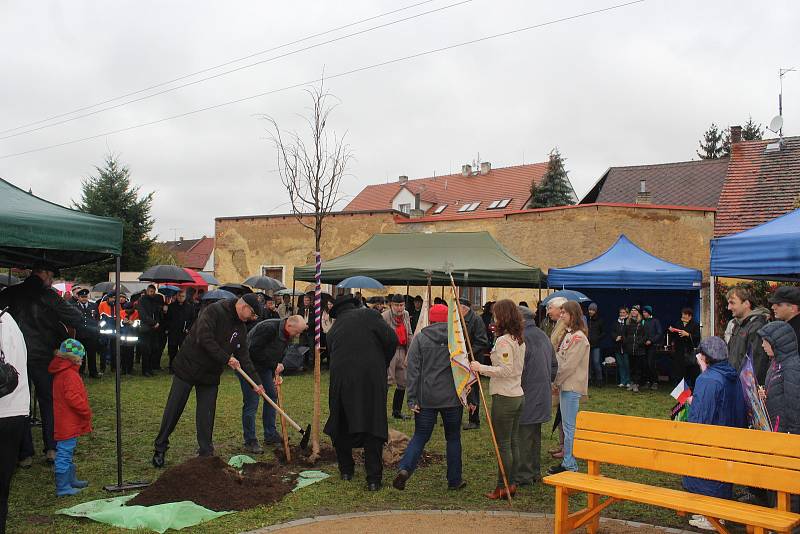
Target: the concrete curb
(495, 513)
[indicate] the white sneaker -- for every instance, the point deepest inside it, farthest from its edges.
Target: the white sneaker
(635, 388)
(703, 523)
(620, 385)
(629, 387)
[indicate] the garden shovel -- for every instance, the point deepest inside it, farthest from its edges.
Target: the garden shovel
(305, 433)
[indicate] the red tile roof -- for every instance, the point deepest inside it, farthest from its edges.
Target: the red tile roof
(455, 190)
(686, 183)
(760, 186)
(192, 253)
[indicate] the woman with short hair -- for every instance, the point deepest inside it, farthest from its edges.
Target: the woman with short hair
(505, 385)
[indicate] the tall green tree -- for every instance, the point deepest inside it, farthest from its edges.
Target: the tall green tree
(752, 131)
(111, 193)
(712, 143)
(555, 188)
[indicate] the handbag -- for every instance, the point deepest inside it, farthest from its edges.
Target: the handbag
(9, 376)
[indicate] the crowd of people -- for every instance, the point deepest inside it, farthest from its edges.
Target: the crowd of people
(533, 361)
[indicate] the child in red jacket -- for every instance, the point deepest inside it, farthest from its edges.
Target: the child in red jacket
(71, 413)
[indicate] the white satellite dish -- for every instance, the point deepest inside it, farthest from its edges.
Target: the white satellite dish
(776, 124)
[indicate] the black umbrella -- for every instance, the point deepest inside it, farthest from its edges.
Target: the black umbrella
(209, 278)
(264, 282)
(108, 287)
(236, 289)
(166, 273)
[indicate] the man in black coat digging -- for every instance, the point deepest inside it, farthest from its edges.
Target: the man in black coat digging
(218, 338)
(361, 345)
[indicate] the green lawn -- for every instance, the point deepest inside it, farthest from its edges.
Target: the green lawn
(33, 500)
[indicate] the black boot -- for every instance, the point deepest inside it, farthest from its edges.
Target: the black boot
(397, 404)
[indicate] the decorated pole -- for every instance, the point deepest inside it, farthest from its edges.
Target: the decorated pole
(317, 365)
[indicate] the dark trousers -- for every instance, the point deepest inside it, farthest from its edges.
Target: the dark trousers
(204, 414)
(423, 428)
(651, 371)
(126, 358)
(150, 350)
(162, 344)
(373, 454)
(174, 343)
(90, 360)
(530, 452)
(12, 429)
(42, 382)
(638, 369)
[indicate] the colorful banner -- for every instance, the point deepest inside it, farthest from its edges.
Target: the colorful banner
(463, 377)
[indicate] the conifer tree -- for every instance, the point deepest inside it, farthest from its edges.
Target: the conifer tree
(555, 188)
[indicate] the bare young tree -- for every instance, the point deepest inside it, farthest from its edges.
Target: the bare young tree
(311, 167)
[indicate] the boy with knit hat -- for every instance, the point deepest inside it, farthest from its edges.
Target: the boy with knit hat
(71, 411)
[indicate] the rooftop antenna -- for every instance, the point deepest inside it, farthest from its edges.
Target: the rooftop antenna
(781, 73)
(174, 233)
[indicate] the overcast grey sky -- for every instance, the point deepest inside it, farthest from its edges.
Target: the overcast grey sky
(635, 85)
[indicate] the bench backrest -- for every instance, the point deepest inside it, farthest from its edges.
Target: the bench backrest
(747, 457)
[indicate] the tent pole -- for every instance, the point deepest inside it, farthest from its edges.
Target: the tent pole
(712, 298)
(120, 486)
(291, 308)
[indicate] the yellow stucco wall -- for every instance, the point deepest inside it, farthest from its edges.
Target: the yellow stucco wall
(542, 238)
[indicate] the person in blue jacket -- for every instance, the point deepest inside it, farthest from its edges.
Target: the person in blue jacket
(717, 399)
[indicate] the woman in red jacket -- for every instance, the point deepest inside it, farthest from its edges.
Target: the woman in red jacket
(71, 413)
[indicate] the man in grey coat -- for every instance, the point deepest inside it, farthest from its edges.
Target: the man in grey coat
(538, 374)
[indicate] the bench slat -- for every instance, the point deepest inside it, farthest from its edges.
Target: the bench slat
(735, 511)
(742, 439)
(683, 464)
(692, 449)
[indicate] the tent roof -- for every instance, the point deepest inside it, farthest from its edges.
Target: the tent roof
(33, 229)
(627, 266)
(475, 259)
(770, 250)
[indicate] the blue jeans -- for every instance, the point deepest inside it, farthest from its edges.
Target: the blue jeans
(624, 368)
(250, 407)
(64, 451)
(597, 367)
(424, 422)
(570, 403)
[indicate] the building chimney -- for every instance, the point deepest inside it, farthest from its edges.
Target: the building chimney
(416, 201)
(466, 170)
(736, 134)
(403, 179)
(643, 196)
(486, 167)
(180, 238)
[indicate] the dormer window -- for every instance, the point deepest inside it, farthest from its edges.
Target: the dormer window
(440, 209)
(499, 204)
(469, 207)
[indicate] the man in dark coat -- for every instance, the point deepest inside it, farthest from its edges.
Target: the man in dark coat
(538, 374)
(480, 345)
(178, 321)
(686, 334)
(786, 306)
(267, 343)
(361, 345)
(748, 319)
(88, 332)
(149, 307)
(596, 334)
(655, 338)
(218, 338)
(42, 316)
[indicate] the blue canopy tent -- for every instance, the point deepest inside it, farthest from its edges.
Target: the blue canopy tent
(769, 251)
(625, 275)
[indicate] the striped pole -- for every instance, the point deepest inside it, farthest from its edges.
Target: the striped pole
(318, 300)
(315, 447)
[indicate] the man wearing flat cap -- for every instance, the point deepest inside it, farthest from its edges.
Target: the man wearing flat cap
(786, 306)
(88, 332)
(361, 345)
(398, 320)
(218, 338)
(42, 316)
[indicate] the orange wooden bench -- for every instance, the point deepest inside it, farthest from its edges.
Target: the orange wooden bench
(740, 456)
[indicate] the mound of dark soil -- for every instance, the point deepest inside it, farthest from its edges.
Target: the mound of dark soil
(210, 482)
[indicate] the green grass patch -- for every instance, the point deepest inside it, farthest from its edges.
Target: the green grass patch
(33, 501)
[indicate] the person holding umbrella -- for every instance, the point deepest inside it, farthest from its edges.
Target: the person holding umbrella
(178, 320)
(218, 338)
(149, 308)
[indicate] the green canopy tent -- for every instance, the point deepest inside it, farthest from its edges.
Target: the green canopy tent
(33, 229)
(474, 258)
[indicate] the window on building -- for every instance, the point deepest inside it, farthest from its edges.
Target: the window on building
(469, 207)
(273, 271)
(405, 208)
(440, 209)
(499, 204)
(474, 294)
